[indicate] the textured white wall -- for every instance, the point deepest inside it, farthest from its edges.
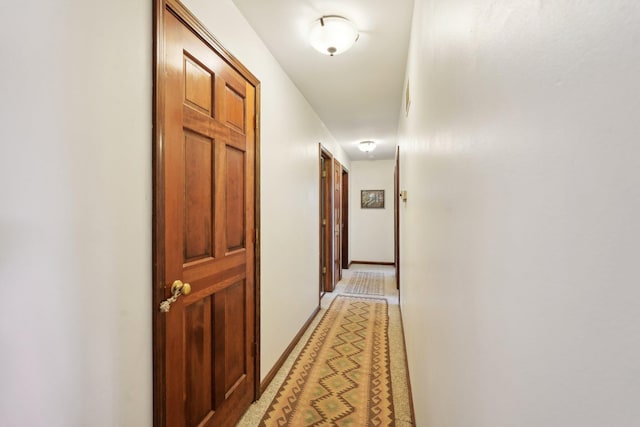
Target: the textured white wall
(75, 216)
(520, 238)
(371, 230)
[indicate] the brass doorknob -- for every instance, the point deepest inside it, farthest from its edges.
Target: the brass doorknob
(177, 288)
(183, 288)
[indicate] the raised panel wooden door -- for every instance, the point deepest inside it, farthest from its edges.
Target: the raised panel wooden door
(337, 222)
(326, 221)
(208, 178)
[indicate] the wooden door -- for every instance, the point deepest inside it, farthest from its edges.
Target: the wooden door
(345, 219)
(337, 222)
(326, 232)
(205, 345)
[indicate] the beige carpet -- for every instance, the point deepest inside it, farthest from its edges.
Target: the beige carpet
(365, 282)
(342, 376)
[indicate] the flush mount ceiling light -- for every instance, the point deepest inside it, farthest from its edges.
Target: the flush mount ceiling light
(367, 146)
(332, 35)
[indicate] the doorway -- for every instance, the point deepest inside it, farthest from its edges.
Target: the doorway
(396, 216)
(325, 220)
(345, 218)
(337, 222)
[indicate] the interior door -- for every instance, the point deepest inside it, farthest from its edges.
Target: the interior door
(345, 219)
(337, 222)
(205, 340)
(326, 232)
(323, 224)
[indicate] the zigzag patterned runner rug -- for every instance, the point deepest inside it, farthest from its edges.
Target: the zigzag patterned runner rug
(365, 282)
(342, 376)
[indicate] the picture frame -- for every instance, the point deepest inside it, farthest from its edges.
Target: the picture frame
(372, 199)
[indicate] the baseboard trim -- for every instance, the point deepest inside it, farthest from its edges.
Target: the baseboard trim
(272, 373)
(371, 263)
(406, 362)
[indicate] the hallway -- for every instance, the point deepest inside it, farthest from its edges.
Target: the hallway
(519, 232)
(399, 375)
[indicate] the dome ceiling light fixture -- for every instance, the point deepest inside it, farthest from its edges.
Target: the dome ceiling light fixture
(367, 146)
(333, 34)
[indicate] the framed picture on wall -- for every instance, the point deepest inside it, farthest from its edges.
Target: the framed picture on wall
(372, 199)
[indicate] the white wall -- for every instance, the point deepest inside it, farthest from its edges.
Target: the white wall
(75, 216)
(520, 237)
(371, 230)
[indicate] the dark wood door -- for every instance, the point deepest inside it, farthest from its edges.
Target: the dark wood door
(345, 219)
(337, 222)
(205, 227)
(326, 229)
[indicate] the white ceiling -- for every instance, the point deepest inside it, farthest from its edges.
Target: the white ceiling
(358, 94)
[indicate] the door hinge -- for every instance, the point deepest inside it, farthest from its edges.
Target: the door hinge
(255, 349)
(324, 222)
(324, 174)
(324, 270)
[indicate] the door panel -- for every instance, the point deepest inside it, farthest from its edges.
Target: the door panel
(198, 376)
(235, 351)
(234, 102)
(206, 182)
(198, 229)
(198, 86)
(235, 191)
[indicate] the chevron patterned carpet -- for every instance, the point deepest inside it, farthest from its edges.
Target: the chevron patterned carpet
(342, 376)
(365, 282)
